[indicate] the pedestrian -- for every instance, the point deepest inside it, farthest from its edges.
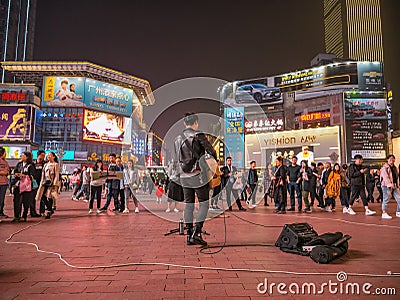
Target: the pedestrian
(159, 191)
(96, 185)
(357, 184)
(121, 192)
(85, 186)
(39, 165)
(112, 185)
(130, 185)
(390, 186)
(49, 184)
(189, 147)
(252, 181)
(4, 172)
(320, 188)
(294, 178)
(75, 181)
(24, 172)
(228, 179)
(313, 184)
(216, 185)
(280, 186)
(266, 180)
(333, 186)
(306, 175)
(370, 185)
(344, 190)
(175, 190)
(378, 185)
(324, 181)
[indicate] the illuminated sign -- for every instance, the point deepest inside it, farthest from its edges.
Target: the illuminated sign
(314, 116)
(80, 91)
(13, 96)
(68, 154)
(234, 135)
(15, 123)
(264, 125)
(103, 127)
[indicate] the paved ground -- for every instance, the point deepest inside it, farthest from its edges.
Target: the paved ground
(128, 257)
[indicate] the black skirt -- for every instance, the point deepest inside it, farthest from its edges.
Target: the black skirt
(175, 192)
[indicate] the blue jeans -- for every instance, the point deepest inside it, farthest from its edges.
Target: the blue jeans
(385, 201)
(292, 188)
(3, 190)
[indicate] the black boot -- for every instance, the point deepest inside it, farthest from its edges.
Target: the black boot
(196, 236)
(189, 233)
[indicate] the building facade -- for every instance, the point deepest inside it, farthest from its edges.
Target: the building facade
(81, 111)
(353, 29)
(327, 113)
(17, 31)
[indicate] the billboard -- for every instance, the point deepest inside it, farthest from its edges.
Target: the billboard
(370, 76)
(366, 127)
(68, 154)
(14, 152)
(86, 92)
(63, 91)
(15, 123)
(109, 97)
(103, 127)
(250, 93)
(234, 135)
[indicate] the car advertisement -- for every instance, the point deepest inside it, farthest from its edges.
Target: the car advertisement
(15, 123)
(103, 127)
(366, 128)
(370, 76)
(79, 92)
(252, 92)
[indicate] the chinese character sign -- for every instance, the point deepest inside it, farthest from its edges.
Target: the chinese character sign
(234, 135)
(15, 123)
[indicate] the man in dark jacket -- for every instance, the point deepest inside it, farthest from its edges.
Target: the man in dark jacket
(357, 184)
(112, 185)
(228, 180)
(252, 181)
(190, 146)
(293, 179)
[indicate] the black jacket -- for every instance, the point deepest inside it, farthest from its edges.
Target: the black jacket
(225, 175)
(200, 144)
(356, 177)
(28, 170)
(370, 180)
(252, 177)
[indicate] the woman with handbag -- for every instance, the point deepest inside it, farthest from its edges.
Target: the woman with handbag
(280, 186)
(24, 173)
(50, 183)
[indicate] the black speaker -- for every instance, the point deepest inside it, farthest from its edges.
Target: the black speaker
(294, 236)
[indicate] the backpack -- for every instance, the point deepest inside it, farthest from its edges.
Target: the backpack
(187, 157)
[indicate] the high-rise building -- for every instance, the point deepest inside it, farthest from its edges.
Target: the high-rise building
(353, 29)
(17, 30)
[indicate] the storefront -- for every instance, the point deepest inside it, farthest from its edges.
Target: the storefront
(337, 110)
(86, 111)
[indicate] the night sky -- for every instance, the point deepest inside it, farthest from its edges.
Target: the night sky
(163, 41)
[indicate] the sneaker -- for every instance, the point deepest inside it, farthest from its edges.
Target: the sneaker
(90, 211)
(290, 209)
(126, 211)
(242, 208)
(98, 211)
(176, 210)
(3, 216)
(307, 210)
(216, 207)
(253, 206)
(167, 210)
(386, 216)
(86, 200)
(327, 209)
(350, 211)
(211, 208)
(136, 209)
(103, 209)
(398, 214)
(345, 210)
(369, 212)
(75, 199)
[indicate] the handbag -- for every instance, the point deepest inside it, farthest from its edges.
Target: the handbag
(25, 184)
(47, 183)
(34, 184)
(238, 185)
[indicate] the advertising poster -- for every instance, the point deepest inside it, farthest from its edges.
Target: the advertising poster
(14, 152)
(234, 135)
(63, 91)
(366, 128)
(370, 76)
(252, 92)
(15, 123)
(103, 127)
(68, 154)
(109, 97)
